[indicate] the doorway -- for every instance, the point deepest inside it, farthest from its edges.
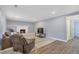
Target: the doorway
(69, 28)
(73, 32)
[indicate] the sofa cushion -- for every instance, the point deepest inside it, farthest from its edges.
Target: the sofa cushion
(29, 39)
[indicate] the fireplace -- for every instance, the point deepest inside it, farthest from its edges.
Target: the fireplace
(22, 31)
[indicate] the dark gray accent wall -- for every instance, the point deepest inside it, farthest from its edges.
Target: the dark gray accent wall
(54, 28)
(18, 23)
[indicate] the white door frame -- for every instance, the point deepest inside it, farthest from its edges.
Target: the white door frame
(69, 28)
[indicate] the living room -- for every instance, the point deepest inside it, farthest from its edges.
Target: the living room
(45, 26)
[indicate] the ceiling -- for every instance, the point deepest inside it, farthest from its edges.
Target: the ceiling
(33, 13)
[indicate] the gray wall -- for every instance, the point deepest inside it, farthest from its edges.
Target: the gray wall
(76, 28)
(54, 28)
(2, 22)
(18, 23)
(0, 32)
(2, 25)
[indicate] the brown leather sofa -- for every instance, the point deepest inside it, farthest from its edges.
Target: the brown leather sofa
(5, 42)
(20, 43)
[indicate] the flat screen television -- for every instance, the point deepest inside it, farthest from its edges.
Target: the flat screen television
(40, 30)
(22, 31)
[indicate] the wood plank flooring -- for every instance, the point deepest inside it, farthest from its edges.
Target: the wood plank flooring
(56, 47)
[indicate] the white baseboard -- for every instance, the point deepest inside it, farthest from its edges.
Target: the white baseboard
(56, 39)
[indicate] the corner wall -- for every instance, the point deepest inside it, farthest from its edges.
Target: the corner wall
(2, 24)
(54, 28)
(21, 23)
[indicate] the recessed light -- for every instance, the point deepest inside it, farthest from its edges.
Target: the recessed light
(53, 12)
(17, 17)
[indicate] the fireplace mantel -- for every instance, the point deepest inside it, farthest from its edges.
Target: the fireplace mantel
(22, 29)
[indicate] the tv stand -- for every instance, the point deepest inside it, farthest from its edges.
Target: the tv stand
(40, 35)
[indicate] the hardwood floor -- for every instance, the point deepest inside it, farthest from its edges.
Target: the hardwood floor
(75, 46)
(56, 47)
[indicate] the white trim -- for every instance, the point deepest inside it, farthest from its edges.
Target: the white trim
(56, 39)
